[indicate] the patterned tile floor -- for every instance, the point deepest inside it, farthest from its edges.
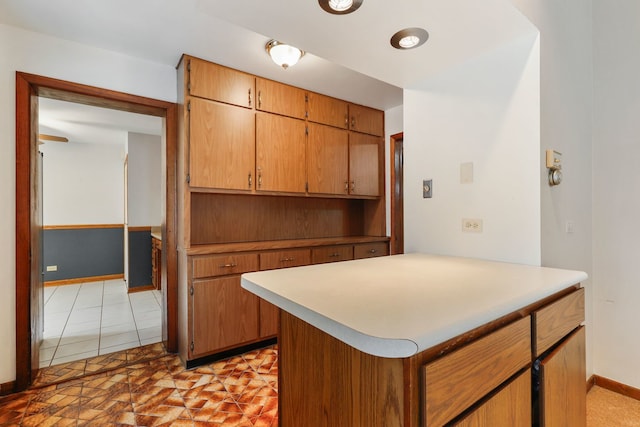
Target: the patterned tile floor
(239, 391)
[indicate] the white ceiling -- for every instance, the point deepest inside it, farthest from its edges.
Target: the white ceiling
(348, 56)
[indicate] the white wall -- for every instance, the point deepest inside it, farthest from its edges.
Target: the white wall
(145, 180)
(566, 106)
(83, 183)
(38, 54)
(485, 111)
(616, 184)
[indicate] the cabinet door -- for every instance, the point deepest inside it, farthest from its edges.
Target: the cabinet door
(327, 160)
(280, 154)
(221, 146)
(224, 315)
(364, 162)
(562, 387)
(328, 111)
(212, 81)
(366, 120)
(510, 407)
(278, 98)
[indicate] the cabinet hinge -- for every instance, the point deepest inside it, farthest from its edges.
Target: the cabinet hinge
(191, 291)
(191, 346)
(306, 187)
(306, 130)
(306, 97)
(189, 86)
(189, 106)
(189, 182)
(189, 65)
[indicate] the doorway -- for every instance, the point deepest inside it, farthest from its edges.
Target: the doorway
(29, 280)
(397, 194)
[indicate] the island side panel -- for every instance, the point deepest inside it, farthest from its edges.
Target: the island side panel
(325, 382)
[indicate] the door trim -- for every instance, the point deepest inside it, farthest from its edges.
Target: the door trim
(28, 88)
(397, 206)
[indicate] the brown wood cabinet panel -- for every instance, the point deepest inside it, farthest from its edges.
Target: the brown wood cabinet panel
(269, 319)
(510, 407)
(329, 111)
(218, 83)
(327, 160)
(228, 218)
(222, 265)
(156, 263)
(555, 321)
(280, 154)
(283, 259)
(278, 98)
(337, 386)
(221, 146)
(364, 164)
(224, 315)
(454, 382)
(562, 388)
(325, 254)
(366, 120)
(370, 250)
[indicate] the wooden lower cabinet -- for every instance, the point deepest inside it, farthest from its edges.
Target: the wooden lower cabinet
(224, 315)
(562, 386)
(509, 407)
(370, 250)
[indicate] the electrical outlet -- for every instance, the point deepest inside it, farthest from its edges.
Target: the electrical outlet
(471, 225)
(52, 268)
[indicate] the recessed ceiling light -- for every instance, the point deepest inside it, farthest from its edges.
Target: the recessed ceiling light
(283, 54)
(340, 7)
(409, 38)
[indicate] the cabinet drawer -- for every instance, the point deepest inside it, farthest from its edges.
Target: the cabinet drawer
(221, 265)
(370, 250)
(555, 321)
(331, 254)
(456, 381)
(282, 259)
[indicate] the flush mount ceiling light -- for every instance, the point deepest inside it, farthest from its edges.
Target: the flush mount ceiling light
(409, 38)
(340, 7)
(283, 54)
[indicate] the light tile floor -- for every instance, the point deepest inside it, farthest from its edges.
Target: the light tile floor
(91, 319)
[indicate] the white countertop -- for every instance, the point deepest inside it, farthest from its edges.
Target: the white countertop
(400, 305)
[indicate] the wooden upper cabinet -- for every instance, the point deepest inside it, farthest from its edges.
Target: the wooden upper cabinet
(328, 111)
(327, 160)
(212, 81)
(280, 154)
(364, 164)
(278, 98)
(221, 146)
(366, 120)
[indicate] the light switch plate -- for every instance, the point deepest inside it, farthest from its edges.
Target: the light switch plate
(427, 189)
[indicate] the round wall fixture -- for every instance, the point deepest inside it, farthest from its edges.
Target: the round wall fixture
(340, 7)
(409, 38)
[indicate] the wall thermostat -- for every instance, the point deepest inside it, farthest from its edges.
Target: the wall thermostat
(554, 164)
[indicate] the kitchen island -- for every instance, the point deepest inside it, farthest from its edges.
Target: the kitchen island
(415, 340)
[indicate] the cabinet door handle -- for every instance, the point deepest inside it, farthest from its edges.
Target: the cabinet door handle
(353, 186)
(287, 259)
(334, 255)
(353, 122)
(250, 180)
(346, 186)
(346, 120)
(372, 251)
(230, 265)
(250, 97)
(259, 99)
(259, 179)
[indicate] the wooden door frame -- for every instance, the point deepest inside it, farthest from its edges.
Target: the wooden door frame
(28, 88)
(394, 140)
